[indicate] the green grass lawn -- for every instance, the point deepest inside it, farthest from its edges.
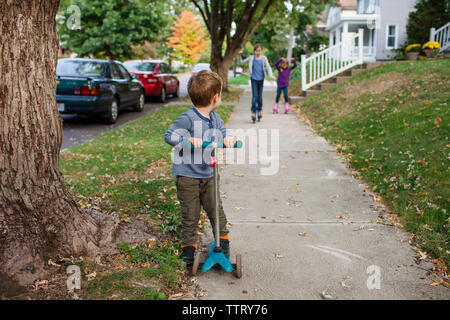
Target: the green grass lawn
(127, 171)
(230, 96)
(392, 123)
(242, 79)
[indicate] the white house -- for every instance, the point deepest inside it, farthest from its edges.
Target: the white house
(383, 21)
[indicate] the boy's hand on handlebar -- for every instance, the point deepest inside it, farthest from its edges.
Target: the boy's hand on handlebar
(196, 142)
(229, 141)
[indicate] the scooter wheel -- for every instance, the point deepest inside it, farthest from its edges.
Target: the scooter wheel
(238, 271)
(196, 263)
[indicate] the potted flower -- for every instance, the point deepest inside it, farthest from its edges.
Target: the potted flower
(431, 49)
(412, 51)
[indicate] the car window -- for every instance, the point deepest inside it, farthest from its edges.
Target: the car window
(115, 71)
(163, 68)
(124, 71)
(135, 66)
(80, 68)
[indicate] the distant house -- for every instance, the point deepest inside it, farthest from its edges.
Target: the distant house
(383, 21)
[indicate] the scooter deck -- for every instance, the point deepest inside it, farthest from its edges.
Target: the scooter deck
(217, 258)
(218, 261)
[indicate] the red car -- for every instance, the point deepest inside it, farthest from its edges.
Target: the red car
(156, 76)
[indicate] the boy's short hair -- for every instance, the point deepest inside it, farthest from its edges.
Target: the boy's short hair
(203, 86)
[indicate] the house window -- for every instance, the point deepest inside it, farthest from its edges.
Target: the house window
(367, 6)
(391, 36)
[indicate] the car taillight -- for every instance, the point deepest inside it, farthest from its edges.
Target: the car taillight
(85, 91)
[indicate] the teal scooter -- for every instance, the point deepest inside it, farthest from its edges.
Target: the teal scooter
(215, 254)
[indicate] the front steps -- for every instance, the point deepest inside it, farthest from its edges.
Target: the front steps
(330, 83)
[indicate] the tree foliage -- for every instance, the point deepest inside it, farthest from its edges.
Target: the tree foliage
(109, 28)
(428, 14)
(188, 38)
(274, 30)
(230, 24)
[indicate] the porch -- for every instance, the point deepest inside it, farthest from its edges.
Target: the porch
(345, 28)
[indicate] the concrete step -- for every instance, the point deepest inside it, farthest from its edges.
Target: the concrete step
(347, 73)
(297, 99)
(331, 80)
(373, 65)
(310, 93)
(327, 85)
(354, 72)
(341, 79)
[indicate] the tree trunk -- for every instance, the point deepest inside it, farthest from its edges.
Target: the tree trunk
(220, 64)
(221, 67)
(39, 218)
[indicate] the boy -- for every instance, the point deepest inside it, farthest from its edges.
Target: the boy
(194, 175)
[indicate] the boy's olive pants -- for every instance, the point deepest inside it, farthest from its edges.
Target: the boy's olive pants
(192, 194)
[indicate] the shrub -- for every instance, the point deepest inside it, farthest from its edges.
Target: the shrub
(428, 14)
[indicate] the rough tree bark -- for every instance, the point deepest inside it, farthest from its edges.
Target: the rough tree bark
(39, 218)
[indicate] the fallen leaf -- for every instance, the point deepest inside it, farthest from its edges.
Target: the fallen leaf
(422, 255)
(174, 296)
(436, 283)
(302, 234)
(91, 276)
(51, 263)
(325, 295)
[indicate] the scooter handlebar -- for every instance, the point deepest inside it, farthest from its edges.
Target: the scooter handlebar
(206, 144)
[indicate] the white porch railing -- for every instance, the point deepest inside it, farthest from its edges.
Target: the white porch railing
(332, 61)
(441, 35)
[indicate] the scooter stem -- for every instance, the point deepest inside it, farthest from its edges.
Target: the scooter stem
(215, 166)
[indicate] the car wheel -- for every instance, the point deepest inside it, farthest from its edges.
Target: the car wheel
(162, 96)
(177, 92)
(111, 115)
(139, 107)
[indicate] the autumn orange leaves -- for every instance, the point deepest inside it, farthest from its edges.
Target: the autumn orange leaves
(188, 38)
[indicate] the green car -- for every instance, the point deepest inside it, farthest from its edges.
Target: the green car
(97, 87)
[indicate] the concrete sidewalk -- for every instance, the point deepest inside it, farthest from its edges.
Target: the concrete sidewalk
(309, 231)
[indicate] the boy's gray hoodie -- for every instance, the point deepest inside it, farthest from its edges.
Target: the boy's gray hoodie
(189, 162)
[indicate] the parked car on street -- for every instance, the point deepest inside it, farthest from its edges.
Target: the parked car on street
(156, 77)
(206, 66)
(94, 86)
(201, 66)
